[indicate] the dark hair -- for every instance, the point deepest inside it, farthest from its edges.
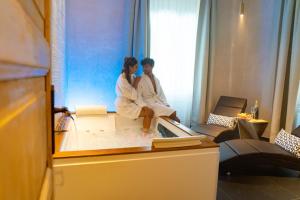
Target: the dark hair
(128, 62)
(149, 61)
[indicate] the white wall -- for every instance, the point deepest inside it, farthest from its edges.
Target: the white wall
(243, 60)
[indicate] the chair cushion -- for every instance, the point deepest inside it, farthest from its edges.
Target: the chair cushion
(221, 120)
(288, 142)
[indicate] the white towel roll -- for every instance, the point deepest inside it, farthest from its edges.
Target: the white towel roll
(91, 110)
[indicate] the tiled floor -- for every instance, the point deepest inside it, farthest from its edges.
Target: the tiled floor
(256, 184)
(267, 184)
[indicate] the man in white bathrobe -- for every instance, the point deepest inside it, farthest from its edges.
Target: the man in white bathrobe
(151, 92)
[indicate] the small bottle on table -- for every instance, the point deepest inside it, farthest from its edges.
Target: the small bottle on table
(255, 110)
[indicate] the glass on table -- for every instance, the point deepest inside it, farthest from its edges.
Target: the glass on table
(253, 112)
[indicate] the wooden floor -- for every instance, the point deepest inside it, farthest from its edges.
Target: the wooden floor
(266, 184)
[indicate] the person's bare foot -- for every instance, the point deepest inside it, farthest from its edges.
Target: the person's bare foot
(145, 130)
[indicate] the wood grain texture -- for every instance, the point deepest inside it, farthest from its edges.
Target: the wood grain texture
(23, 148)
(22, 43)
(24, 54)
(47, 33)
(32, 9)
(47, 188)
(10, 71)
(59, 137)
(41, 7)
(128, 150)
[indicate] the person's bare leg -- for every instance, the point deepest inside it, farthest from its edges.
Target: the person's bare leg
(147, 120)
(147, 113)
(174, 117)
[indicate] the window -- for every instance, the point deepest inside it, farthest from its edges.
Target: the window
(173, 26)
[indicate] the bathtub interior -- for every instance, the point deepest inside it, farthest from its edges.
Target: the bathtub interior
(107, 131)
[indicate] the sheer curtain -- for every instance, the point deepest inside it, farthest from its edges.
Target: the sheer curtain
(297, 110)
(280, 102)
(199, 109)
(286, 106)
(293, 119)
(173, 30)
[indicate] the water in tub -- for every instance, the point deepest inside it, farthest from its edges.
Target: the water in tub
(106, 132)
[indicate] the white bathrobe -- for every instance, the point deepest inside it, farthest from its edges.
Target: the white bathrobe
(128, 103)
(156, 101)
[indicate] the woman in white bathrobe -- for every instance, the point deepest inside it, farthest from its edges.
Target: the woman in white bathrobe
(128, 103)
(150, 90)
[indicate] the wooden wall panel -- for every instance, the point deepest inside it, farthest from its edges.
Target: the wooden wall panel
(33, 11)
(24, 54)
(48, 10)
(10, 71)
(47, 188)
(41, 6)
(23, 133)
(22, 43)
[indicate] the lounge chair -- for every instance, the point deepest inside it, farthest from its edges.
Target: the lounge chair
(226, 106)
(242, 154)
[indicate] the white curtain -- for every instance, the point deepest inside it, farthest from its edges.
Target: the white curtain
(286, 106)
(173, 30)
(282, 68)
(297, 110)
(293, 103)
(201, 62)
(58, 50)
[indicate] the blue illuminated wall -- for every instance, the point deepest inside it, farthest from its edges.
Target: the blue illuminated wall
(97, 34)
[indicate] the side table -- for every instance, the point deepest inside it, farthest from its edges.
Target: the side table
(253, 128)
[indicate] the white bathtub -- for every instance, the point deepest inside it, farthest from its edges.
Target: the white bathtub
(108, 157)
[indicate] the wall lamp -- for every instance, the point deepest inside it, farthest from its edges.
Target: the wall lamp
(242, 9)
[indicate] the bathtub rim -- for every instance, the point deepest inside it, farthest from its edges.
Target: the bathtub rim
(206, 143)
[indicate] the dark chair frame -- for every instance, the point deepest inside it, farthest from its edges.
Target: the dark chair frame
(226, 106)
(242, 154)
